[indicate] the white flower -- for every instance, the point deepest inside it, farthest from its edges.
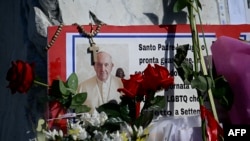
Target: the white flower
(74, 137)
(103, 117)
(105, 137)
(98, 135)
(82, 134)
(60, 133)
(52, 135)
(95, 119)
(127, 129)
(77, 132)
(116, 136)
(85, 116)
(140, 131)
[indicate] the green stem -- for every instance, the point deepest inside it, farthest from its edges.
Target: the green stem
(40, 83)
(204, 70)
(198, 54)
(205, 44)
(194, 40)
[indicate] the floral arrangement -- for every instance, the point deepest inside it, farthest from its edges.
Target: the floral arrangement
(69, 120)
(131, 118)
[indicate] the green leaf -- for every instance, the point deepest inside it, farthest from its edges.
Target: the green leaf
(79, 99)
(187, 72)
(62, 88)
(55, 89)
(145, 118)
(179, 5)
(72, 81)
(181, 54)
(183, 67)
(112, 124)
(147, 115)
(202, 83)
(111, 109)
(124, 113)
(114, 120)
(158, 103)
(80, 108)
(66, 102)
(223, 93)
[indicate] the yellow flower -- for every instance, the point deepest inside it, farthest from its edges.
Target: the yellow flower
(124, 136)
(140, 139)
(146, 131)
(73, 131)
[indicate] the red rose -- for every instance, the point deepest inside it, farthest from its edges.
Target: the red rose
(165, 79)
(213, 129)
(156, 78)
(20, 76)
(56, 110)
(150, 78)
(131, 86)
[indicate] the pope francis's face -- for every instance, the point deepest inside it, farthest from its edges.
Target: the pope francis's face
(103, 66)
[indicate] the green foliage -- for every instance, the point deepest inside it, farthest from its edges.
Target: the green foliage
(223, 92)
(63, 89)
(117, 114)
(72, 82)
(112, 124)
(181, 4)
(183, 67)
(111, 109)
(66, 94)
(220, 88)
(147, 115)
(158, 103)
(145, 118)
(120, 113)
(202, 83)
(181, 54)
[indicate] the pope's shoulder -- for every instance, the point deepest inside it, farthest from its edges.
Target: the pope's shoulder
(89, 80)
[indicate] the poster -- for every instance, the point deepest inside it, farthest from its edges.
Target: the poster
(132, 48)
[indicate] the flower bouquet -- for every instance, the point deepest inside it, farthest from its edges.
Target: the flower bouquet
(68, 119)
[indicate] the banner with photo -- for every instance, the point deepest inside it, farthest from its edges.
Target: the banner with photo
(132, 48)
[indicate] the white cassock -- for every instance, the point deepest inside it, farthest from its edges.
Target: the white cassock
(99, 92)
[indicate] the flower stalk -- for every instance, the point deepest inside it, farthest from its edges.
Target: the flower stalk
(198, 54)
(40, 83)
(198, 75)
(204, 70)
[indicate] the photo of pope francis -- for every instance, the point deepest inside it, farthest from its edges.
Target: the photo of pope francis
(102, 87)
